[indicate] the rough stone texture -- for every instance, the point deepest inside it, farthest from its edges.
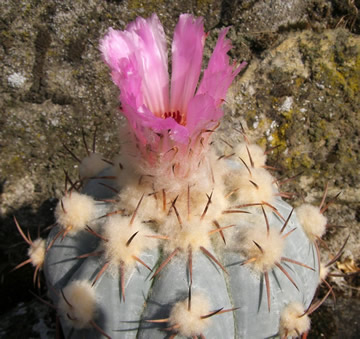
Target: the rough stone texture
(302, 96)
(300, 92)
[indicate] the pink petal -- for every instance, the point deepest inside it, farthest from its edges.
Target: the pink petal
(129, 81)
(115, 46)
(202, 113)
(219, 74)
(145, 124)
(140, 52)
(138, 60)
(151, 52)
(187, 51)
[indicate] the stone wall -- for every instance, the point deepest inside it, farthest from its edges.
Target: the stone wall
(299, 93)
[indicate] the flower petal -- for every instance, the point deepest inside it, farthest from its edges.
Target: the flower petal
(139, 54)
(115, 46)
(219, 74)
(187, 52)
(203, 113)
(144, 123)
(152, 57)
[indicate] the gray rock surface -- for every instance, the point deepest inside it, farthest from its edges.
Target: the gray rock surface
(300, 92)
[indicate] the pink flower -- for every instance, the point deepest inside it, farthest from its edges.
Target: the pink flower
(164, 115)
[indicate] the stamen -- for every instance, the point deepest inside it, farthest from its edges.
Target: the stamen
(177, 116)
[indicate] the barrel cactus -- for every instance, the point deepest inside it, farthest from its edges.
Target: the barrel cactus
(176, 237)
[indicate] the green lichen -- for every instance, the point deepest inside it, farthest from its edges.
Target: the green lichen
(352, 76)
(339, 67)
(337, 79)
(288, 115)
(279, 137)
(299, 81)
(298, 160)
(262, 142)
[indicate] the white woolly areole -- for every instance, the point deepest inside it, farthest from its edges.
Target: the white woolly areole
(199, 201)
(200, 177)
(190, 322)
(174, 176)
(191, 193)
(257, 154)
(151, 205)
(79, 307)
(36, 252)
(218, 203)
(190, 203)
(324, 271)
(291, 322)
(236, 236)
(272, 246)
(194, 234)
(75, 212)
(312, 221)
(118, 231)
(219, 164)
(254, 188)
(92, 165)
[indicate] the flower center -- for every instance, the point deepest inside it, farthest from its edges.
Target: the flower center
(177, 116)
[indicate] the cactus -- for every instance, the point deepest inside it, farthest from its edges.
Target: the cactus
(146, 252)
(174, 236)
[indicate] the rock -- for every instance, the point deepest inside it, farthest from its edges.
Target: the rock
(302, 96)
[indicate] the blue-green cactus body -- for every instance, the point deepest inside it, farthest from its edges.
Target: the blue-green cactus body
(173, 285)
(248, 291)
(242, 289)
